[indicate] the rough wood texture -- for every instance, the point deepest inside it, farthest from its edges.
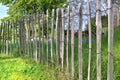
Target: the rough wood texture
(57, 24)
(90, 40)
(72, 43)
(42, 54)
(52, 35)
(98, 33)
(67, 40)
(47, 32)
(80, 43)
(62, 38)
(110, 40)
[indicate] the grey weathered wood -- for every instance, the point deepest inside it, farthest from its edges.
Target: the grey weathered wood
(80, 43)
(28, 36)
(62, 39)
(35, 38)
(59, 36)
(67, 41)
(90, 40)
(42, 54)
(57, 10)
(39, 26)
(110, 40)
(98, 33)
(47, 33)
(1, 30)
(72, 43)
(7, 38)
(52, 35)
(11, 37)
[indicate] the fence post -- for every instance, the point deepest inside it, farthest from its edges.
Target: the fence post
(110, 40)
(80, 43)
(47, 34)
(42, 54)
(57, 24)
(67, 41)
(35, 39)
(90, 40)
(72, 43)
(1, 37)
(62, 38)
(98, 32)
(52, 35)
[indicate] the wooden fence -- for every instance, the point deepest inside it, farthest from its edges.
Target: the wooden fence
(43, 37)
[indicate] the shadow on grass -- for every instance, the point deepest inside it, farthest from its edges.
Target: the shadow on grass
(3, 58)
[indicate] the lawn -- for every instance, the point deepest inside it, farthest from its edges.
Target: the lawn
(21, 69)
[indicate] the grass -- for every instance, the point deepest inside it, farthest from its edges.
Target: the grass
(20, 69)
(26, 69)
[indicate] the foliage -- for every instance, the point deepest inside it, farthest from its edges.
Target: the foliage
(24, 7)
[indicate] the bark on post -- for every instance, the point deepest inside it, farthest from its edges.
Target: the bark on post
(47, 33)
(22, 36)
(57, 34)
(90, 40)
(72, 43)
(52, 35)
(110, 40)
(39, 26)
(62, 38)
(35, 38)
(98, 33)
(80, 43)
(42, 54)
(67, 41)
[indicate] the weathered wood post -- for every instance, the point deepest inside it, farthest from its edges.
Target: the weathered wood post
(67, 41)
(47, 22)
(39, 32)
(98, 33)
(52, 35)
(22, 35)
(90, 40)
(110, 40)
(35, 38)
(72, 43)
(57, 34)
(42, 54)
(80, 43)
(62, 38)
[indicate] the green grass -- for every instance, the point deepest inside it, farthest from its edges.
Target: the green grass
(21, 69)
(26, 69)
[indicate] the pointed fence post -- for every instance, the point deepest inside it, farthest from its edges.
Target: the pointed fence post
(62, 38)
(42, 54)
(110, 40)
(98, 33)
(52, 35)
(67, 41)
(90, 40)
(57, 25)
(72, 43)
(47, 35)
(80, 43)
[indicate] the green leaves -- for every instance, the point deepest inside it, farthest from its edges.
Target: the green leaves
(24, 7)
